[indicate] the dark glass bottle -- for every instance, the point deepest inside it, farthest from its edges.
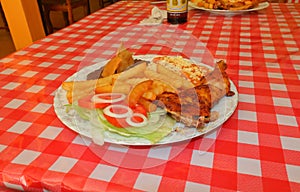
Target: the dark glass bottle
(177, 11)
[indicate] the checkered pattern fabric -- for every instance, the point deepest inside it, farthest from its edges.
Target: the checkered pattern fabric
(257, 149)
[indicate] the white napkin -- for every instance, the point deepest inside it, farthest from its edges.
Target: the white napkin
(156, 17)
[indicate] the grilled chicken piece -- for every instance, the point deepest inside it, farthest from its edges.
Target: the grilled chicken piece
(193, 106)
(185, 108)
(219, 79)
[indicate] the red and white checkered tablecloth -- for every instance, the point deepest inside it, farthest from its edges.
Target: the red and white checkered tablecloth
(257, 149)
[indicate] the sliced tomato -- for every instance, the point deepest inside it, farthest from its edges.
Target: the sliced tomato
(108, 98)
(122, 116)
(140, 109)
(101, 105)
(118, 111)
(137, 120)
(86, 102)
(117, 122)
(100, 101)
(116, 114)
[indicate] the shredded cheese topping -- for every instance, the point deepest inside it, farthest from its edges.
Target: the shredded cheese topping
(183, 66)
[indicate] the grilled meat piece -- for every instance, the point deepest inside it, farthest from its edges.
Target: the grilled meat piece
(193, 106)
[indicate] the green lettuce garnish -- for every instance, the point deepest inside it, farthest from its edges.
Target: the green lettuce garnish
(159, 125)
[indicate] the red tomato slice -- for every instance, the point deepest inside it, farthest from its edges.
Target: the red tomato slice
(101, 105)
(140, 109)
(136, 118)
(108, 98)
(85, 102)
(117, 122)
(100, 101)
(118, 111)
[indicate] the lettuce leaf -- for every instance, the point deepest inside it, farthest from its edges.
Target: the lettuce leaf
(159, 126)
(154, 131)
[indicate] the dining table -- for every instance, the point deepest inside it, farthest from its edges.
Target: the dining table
(256, 147)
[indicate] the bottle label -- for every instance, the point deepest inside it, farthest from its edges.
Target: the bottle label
(177, 6)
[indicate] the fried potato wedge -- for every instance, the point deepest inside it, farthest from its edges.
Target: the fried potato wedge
(68, 85)
(103, 89)
(134, 72)
(78, 89)
(137, 92)
(126, 60)
(119, 63)
(148, 105)
(111, 67)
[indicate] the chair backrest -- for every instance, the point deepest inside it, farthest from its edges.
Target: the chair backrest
(68, 2)
(104, 3)
(66, 7)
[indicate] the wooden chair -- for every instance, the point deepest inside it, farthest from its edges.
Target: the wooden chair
(66, 6)
(3, 19)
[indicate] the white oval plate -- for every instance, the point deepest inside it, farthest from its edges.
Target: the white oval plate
(225, 107)
(261, 6)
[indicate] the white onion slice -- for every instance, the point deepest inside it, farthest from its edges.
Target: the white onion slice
(137, 124)
(97, 98)
(108, 111)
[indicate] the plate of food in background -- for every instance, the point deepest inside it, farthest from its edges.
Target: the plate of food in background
(228, 8)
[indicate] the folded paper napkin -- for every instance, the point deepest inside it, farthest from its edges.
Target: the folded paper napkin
(156, 17)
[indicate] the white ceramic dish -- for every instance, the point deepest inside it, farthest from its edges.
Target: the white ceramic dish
(261, 6)
(225, 107)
